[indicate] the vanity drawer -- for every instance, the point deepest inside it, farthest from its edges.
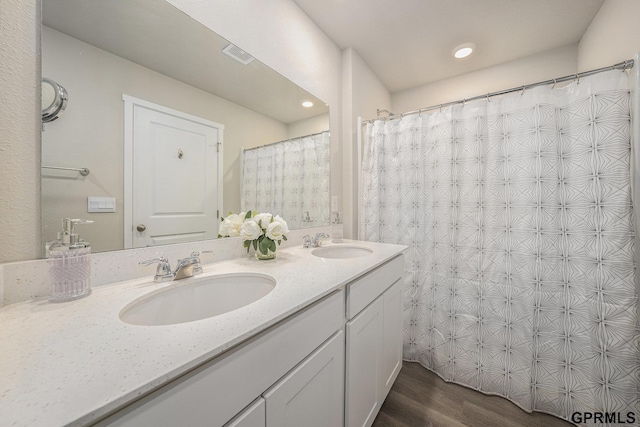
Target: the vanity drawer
(215, 392)
(364, 290)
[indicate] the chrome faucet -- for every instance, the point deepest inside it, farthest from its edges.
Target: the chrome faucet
(313, 242)
(187, 267)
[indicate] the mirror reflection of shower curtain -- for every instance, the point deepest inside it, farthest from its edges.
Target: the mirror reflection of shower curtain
(290, 179)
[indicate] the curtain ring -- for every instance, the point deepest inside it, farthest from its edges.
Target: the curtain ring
(625, 65)
(488, 98)
(577, 79)
(523, 88)
(441, 108)
(464, 102)
(554, 84)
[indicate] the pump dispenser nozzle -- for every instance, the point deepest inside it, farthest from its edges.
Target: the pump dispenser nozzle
(68, 236)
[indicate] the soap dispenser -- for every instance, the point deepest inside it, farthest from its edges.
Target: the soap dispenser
(69, 263)
(336, 228)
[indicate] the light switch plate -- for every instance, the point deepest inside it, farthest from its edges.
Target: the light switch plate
(101, 204)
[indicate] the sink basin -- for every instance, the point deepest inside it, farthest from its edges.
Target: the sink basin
(341, 252)
(198, 299)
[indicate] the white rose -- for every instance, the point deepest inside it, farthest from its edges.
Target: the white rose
(223, 230)
(250, 230)
(264, 217)
(274, 231)
(283, 223)
(235, 224)
(230, 226)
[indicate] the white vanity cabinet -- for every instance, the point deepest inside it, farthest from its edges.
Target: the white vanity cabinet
(297, 355)
(312, 394)
(253, 416)
(374, 341)
(327, 365)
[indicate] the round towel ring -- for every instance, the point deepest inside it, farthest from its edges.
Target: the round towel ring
(54, 100)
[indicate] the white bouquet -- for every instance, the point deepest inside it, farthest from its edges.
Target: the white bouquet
(260, 230)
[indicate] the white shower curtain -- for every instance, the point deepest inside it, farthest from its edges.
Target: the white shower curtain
(520, 277)
(290, 179)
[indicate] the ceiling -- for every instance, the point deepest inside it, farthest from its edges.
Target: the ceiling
(408, 43)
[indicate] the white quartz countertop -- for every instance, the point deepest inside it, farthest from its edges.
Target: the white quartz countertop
(72, 363)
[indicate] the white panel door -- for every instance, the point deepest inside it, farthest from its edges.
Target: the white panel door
(363, 358)
(175, 177)
(391, 337)
(312, 395)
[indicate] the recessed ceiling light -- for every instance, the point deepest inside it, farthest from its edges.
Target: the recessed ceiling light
(463, 50)
(307, 104)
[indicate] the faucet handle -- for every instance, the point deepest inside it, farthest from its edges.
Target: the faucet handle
(306, 241)
(197, 268)
(197, 253)
(161, 260)
(163, 271)
(317, 241)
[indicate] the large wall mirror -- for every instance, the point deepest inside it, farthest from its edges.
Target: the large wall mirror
(168, 126)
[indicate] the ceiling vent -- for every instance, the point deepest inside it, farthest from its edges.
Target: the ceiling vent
(238, 54)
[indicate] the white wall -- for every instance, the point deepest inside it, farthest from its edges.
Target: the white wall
(547, 65)
(308, 126)
(363, 93)
(612, 37)
(91, 132)
(19, 130)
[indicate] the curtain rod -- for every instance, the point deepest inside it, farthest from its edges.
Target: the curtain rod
(284, 140)
(619, 66)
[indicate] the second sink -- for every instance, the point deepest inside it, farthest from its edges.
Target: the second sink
(341, 252)
(198, 299)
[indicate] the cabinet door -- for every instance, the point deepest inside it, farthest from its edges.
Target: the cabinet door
(312, 395)
(253, 416)
(364, 354)
(391, 337)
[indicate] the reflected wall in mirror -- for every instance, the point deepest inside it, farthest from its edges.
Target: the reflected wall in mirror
(174, 72)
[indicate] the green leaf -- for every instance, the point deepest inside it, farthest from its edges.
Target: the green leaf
(279, 242)
(247, 243)
(255, 245)
(284, 237)
(264, 246)
(248, 215)
(272, 245)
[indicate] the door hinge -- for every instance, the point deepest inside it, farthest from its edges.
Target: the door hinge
(217, 214)
(218, 146)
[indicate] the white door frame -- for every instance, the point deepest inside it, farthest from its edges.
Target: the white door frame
(129, 103)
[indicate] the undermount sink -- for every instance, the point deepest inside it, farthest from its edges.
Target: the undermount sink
(198, 299)
(341, 252)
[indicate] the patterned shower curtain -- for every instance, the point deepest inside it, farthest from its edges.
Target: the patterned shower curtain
(290, 179)
(520, 277)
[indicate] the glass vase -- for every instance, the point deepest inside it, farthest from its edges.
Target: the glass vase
(269, 255)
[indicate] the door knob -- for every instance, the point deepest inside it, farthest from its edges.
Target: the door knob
(141, 227)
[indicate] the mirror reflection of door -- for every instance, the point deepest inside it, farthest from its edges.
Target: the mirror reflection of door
(173, 189)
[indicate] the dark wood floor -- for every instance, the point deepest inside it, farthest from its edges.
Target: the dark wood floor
(419, 398)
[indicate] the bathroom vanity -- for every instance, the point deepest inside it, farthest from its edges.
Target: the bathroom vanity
(322, 348)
